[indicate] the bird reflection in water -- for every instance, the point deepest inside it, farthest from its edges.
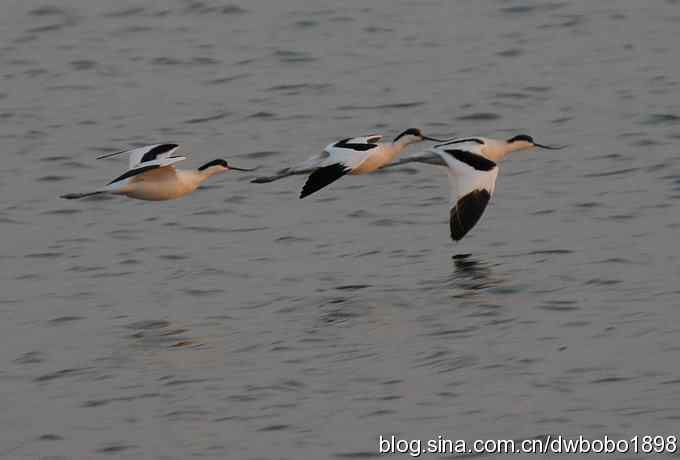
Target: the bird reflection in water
(472, 274)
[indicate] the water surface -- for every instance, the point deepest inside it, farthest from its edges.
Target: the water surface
(241, 322)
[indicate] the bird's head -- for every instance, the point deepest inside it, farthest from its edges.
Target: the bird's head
(524, 141)
(217, 166)
(413, 135)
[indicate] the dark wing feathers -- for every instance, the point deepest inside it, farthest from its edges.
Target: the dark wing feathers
(157, 150)
(361, 147)
(322, 177)
(473, 160)
(467, 212)
(461, 141)
(133, 172)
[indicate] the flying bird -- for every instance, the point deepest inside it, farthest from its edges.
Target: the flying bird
(472, 166)
(152, 176)
(354, 155)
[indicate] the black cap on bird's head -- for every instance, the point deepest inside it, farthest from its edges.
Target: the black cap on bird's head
(415, 132)
(222, 163)
(530, 141)
(217, 162)
(521, 137)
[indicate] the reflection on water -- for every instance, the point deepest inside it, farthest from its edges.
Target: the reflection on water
(472, 273)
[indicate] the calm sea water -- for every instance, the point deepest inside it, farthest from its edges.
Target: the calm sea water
(241, 322)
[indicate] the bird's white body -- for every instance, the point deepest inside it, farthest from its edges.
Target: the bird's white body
(152, 175)
(472, 167)
(364, 162)
(164, 183)
(354, 155)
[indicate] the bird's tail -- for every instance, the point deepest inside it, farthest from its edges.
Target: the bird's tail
(77, 196)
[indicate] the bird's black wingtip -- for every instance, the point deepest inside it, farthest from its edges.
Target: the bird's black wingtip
(322, 177)
(467, 212)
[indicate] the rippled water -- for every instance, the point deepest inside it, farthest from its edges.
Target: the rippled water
(241, 322)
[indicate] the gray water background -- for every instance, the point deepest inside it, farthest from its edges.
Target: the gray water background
(241, 322)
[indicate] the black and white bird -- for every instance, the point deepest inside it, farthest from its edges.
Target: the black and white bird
(472, 166)
(354, 155)
(152, 176)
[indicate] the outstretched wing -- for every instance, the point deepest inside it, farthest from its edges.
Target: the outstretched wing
(467, 212)
(472, 180)
(322, 177)
(427, 157)
(132, 173)
(147, 154)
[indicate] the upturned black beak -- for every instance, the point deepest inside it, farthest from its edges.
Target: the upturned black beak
(240, 169)
(428, 138)
(550, 147)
